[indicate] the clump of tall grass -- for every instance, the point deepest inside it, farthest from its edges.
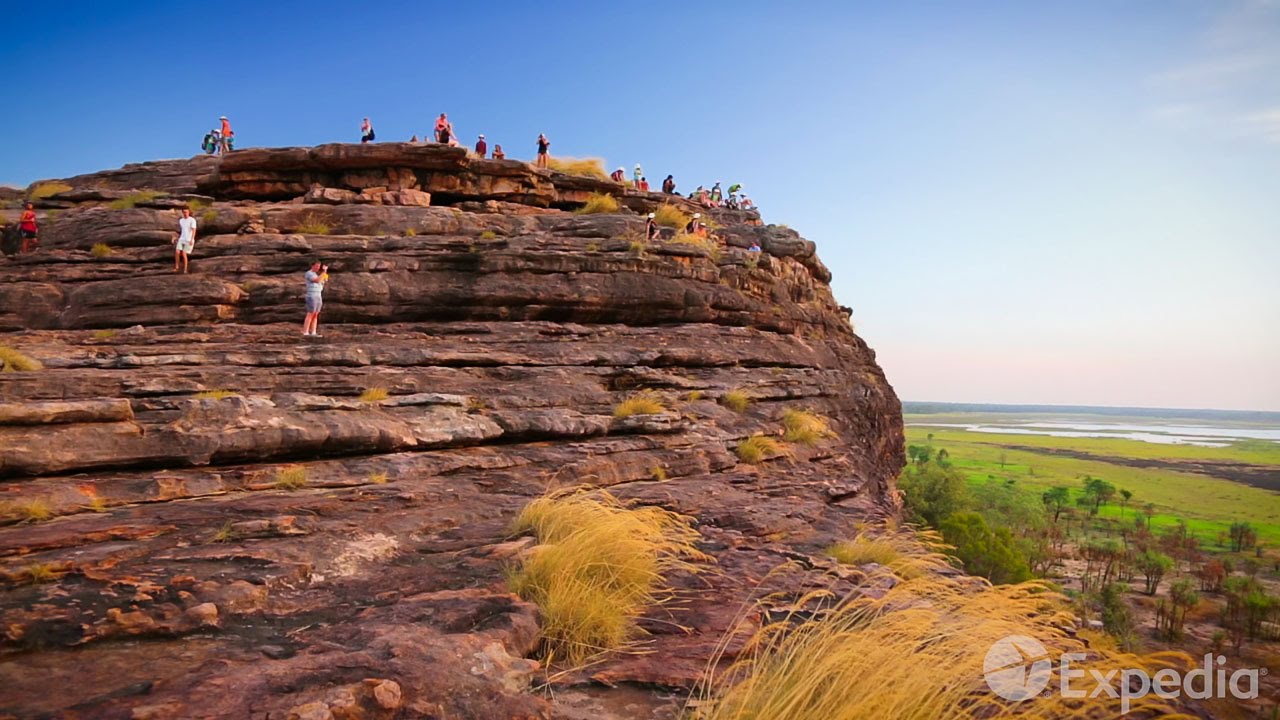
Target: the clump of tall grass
(40, 191)
(599, 203)
(916, 652)
(758, 448)
(374, 395)
(291, 478)
(101, 250)
(132, 199)
(215, 394)
(600, 563)
(313, 224)
(803, 427)
(668, 215)
(488, 235)
(14, 361)
(589, 167)
(645, 402)
(736, 400)
(907, 555)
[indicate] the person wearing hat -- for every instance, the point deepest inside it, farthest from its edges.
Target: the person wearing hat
(638, 174)
(695, 226)
(618, 175)
(651, 227)
(226, 140)
(482, 147)
(366, 131)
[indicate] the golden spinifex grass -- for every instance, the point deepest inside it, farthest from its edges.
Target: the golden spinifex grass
(645, 402)
(803, 427)
(15, 361)
(915, 653)
(39, 191)
(599, 203)
(736, 400)
(590, 167)
(671, 216)
(374, 395)
(907, 554)
(600, 563)
(758, 448)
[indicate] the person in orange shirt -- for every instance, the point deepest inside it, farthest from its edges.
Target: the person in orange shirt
(227, 134)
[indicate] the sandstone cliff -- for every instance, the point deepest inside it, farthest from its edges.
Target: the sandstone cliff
(155, 566)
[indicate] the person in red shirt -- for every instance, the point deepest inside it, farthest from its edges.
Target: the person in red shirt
(482, 147)
(644, 184)
(226, 134)
(28, 229)
(444, 129)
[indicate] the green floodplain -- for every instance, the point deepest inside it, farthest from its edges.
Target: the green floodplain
(1207, 487)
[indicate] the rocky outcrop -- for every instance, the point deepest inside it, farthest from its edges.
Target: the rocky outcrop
(206, 515)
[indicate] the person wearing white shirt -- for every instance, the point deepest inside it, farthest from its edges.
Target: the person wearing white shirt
(185, 242)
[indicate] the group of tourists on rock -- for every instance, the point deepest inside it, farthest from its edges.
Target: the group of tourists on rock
(220, 140)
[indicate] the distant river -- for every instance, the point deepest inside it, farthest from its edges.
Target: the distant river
(1203, 435)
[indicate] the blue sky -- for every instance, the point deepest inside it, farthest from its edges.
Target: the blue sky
(1073, 202)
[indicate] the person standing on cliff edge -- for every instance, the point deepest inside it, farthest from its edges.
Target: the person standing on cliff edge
(482, 147)
(366, 131)
(544, 145)
(316, 277)
(228, 137)
(443, 129)
(28, 229)
(185, 242)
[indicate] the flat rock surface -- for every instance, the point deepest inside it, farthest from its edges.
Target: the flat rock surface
(204, 515)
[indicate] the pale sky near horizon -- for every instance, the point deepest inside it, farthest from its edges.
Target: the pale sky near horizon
(1072, 202)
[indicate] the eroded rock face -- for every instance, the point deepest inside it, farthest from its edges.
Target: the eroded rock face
(204, 519)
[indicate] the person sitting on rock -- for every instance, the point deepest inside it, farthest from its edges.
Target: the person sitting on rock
(695, 226)
(669, 185)
(316, 277)
(716, 195)
(746, 203)
(211, 141)
(644, 184)
(618, 175)
(443, 129)
(704, 198)
(651, 228)
(413, 140)
(544, 156)
(498, 154)
(28, 229)
(366, 131)
(185, 241)
(755, 247)
(482, 147)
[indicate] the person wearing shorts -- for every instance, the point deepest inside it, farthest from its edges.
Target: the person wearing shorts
(316, 277)
(28, 230)
(185, 242)
(543, 146)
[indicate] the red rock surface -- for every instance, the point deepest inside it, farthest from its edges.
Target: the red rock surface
(175, 579)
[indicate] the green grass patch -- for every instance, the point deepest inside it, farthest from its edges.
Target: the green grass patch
(133, 199)
(12, 360)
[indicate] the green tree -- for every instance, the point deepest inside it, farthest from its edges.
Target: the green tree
(1125, 497)
(1243, 536)
(920, 454)
(1057, 499)
(1154, 565)
(1097, 492)
(932, 492)
(1171, 614)
(992, 554)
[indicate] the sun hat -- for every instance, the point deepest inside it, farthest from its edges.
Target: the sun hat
(653, 215)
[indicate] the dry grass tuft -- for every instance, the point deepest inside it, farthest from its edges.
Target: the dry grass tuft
(645, 402)
(100, 250)
(915, 652)
(659, 473)
(589, 167)
(313, 224)
(14, 361)
(33, 510)
(600, 563)
(215, 394)
(40, 191)
(374, 394)
(224, 534)
(908, 555)
(104, 334)
(671, 216)
(758, 448)
(736, 400)
(488, 235)
(37, 573)
(291, 478)
(132, 199)
(804, 428)
(378, 478)
(693, 396)
(599, 203)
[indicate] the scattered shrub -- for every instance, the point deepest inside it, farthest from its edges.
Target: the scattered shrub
(313, 224)
(736, 400)
(645, 402)
(589, 167)
(600, 563)
(195, 205)
(488, 235)
(132, 199)
(638, 247)
(14, 361)
(215, 394)
(599, 203)
(291, 478)
(593, 247)
(100, 250)
(671, 216)
(40, 191)
(803, 427)
(992, 554)
(758, 448)
(224, 534)
(373, 395)
(208, 216)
